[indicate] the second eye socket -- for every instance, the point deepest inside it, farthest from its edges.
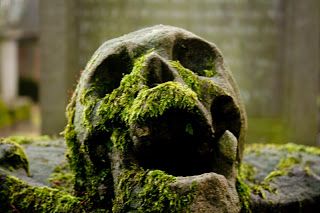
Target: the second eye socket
(195, 55)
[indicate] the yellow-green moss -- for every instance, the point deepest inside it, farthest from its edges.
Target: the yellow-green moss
(210, 73)
(62, 178)
(117, 105)
(244, 192)
(42, 140)
(13, 156)
(282, 168)
(189, 77)
(155, 101)
(149, 191)
(291, 156)
(17, 196)
(5, 118)
(288, 148)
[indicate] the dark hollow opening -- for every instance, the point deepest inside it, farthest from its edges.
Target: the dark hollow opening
(98, 146)
(179, 143)
(225, 116)
(194, 54)
(110, 72)
(158, 72)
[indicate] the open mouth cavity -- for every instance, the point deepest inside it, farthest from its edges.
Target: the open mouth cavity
(177, 142)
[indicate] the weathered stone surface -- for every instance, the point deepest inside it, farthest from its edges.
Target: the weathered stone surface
(214, 193)
(13, 157)
(282, 178)
(150, 107)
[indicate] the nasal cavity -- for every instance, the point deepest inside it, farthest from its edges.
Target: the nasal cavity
(157, 71)
(225, 116)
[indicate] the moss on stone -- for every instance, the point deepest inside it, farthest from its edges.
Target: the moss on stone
(244, 193)
(62, 178)
(189, 77)
(282, 168)
(42, 140)
(291, 156)
(155, 101)
(210, 73)
(149, 191)
(17, 196)
(12, 156)
(289, 148)
(117, 105)
(75, 154)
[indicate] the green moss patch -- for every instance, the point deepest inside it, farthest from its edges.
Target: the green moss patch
(62, 178)
(17, 196)
(12, 156)
(265, 164)
(149, 191)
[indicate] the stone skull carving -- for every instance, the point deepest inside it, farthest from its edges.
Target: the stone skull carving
(156, 125)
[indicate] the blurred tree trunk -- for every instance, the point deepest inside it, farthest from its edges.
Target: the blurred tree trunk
(301, 66)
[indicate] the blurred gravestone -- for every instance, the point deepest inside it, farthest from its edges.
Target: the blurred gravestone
(57, 39)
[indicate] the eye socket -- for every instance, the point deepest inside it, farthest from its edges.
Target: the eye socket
(225, 116)
(107, 76)
(195, 55)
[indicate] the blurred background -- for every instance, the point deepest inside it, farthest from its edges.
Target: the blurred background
(271, 46)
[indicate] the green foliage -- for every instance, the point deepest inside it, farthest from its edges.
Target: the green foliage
(14, 113)
(266, 130)
(5, 118)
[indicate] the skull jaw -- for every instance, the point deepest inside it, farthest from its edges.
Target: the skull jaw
(213, 193)
(156, 191)
(147, 189)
